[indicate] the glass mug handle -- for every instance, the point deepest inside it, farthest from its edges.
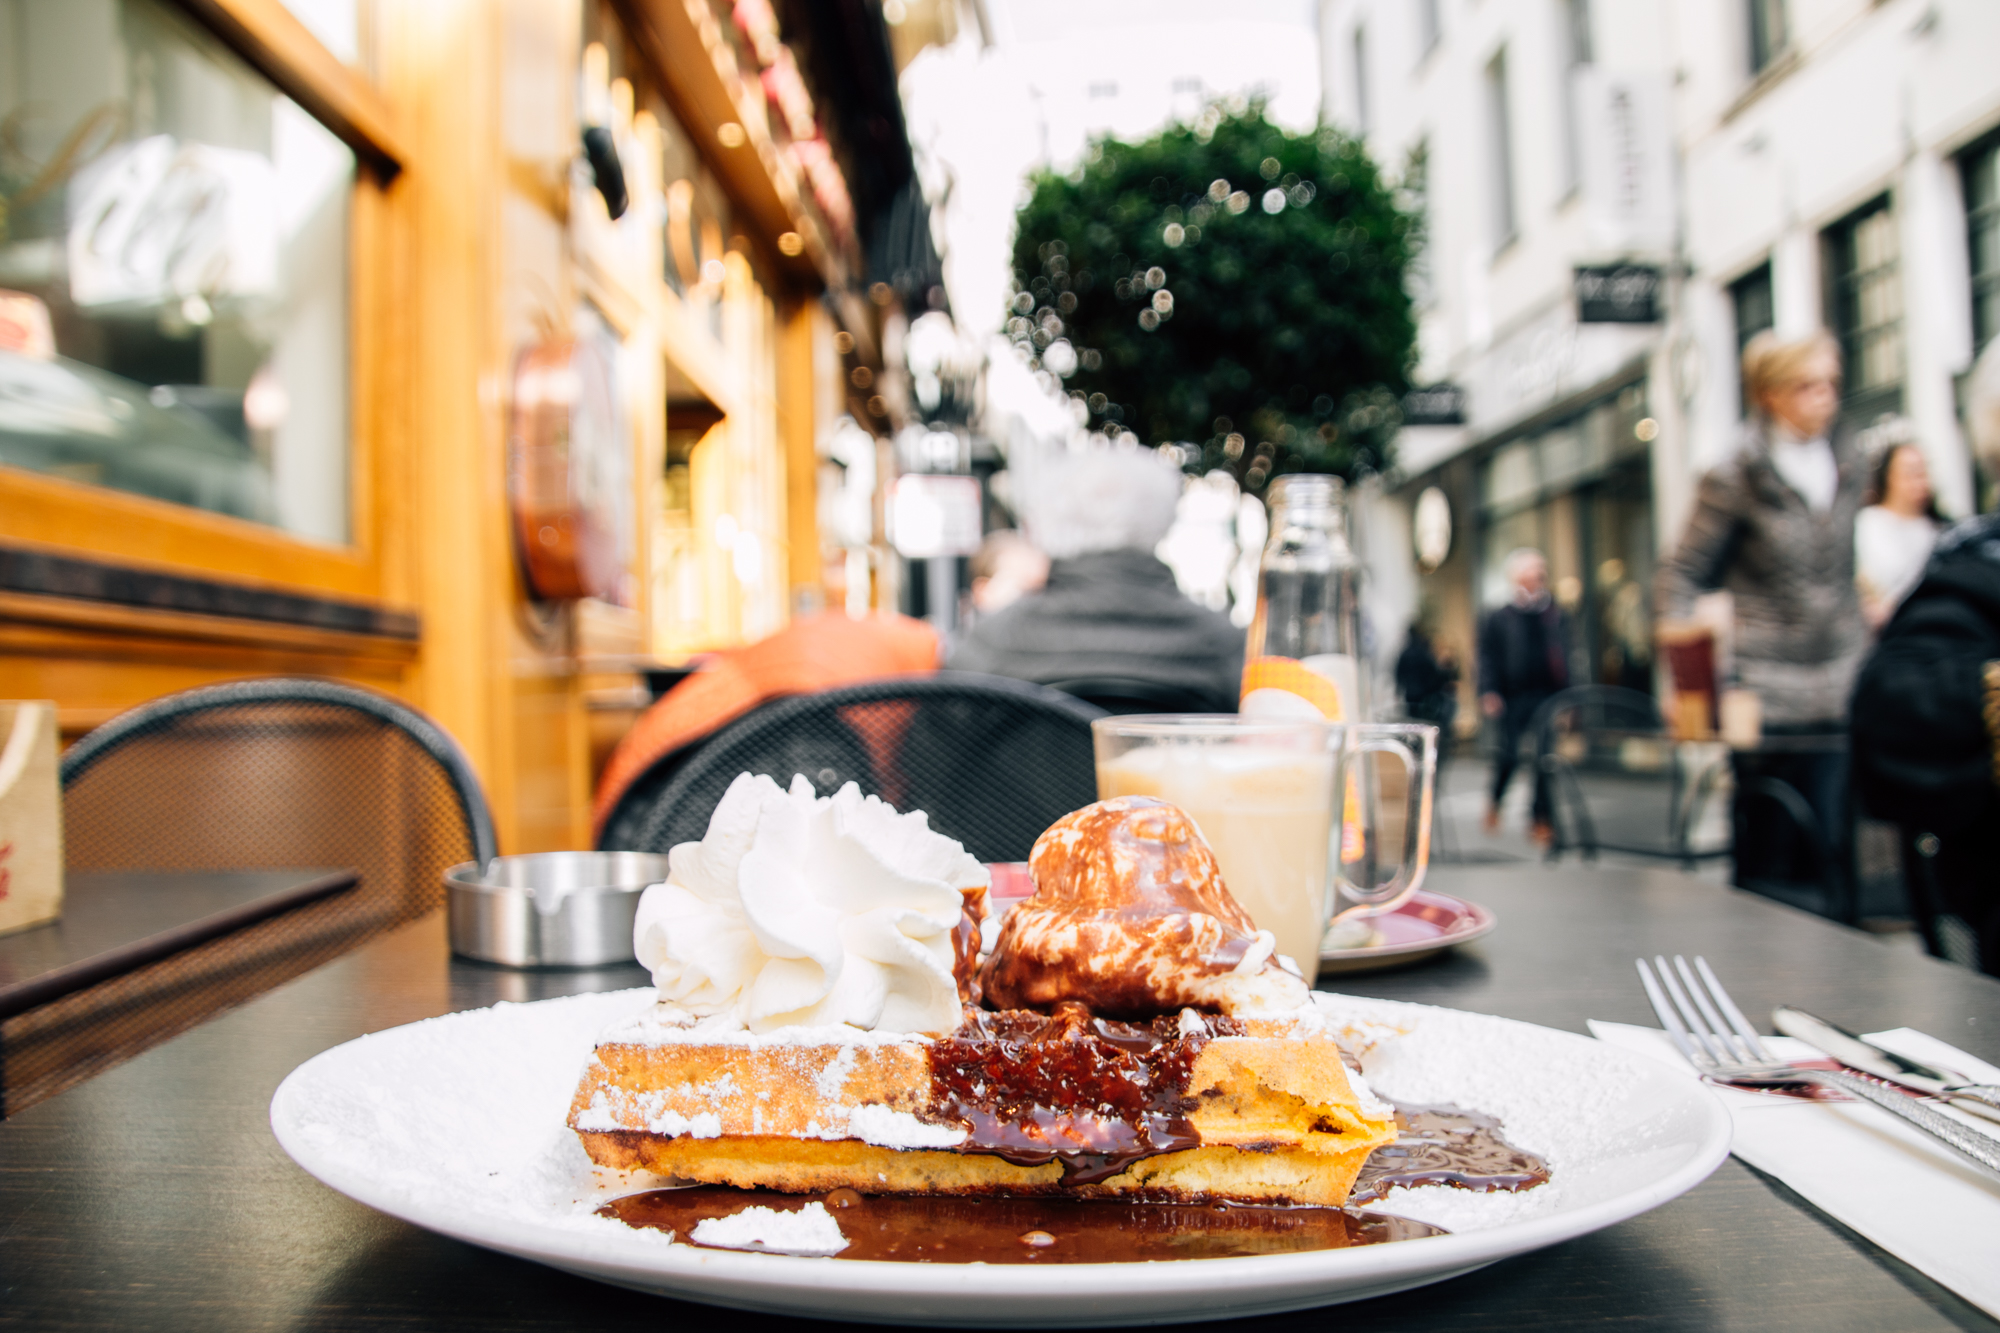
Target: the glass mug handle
(1415, 744)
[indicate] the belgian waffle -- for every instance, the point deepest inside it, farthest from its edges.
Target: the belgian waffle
(1187, 1107)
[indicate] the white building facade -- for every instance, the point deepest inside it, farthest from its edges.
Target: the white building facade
(1773, 163)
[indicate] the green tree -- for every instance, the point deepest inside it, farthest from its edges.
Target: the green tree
(1228, 286)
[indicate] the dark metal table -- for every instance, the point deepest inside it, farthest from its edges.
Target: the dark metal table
(155, 1197)
(116, 920)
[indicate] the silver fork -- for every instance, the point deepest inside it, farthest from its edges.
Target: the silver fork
(1717, 1040)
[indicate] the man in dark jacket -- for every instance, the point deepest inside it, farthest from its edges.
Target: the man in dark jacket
(1523, 659)
(1925, 729)
(1110, 624)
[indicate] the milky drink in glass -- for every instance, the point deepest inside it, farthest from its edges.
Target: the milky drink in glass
(1266, 810)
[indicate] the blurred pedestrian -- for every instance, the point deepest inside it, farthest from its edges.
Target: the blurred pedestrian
(1774, 526)
(1894, 534)
(1926, 721)
(1427, 678)
(1110, 617)
(1523, 660)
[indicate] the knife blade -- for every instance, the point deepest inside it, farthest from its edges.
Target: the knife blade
(1857, 1052)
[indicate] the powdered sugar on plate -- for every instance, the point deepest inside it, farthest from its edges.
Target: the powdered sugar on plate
(809, 1231)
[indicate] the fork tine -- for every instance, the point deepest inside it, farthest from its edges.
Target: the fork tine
(1670, 1020)
(1718, 1051)
(1735, 1016)
(1723, 1036)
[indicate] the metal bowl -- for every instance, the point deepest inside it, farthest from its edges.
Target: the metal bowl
(551, 909)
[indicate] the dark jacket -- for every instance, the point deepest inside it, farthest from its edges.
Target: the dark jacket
(1799, 632)
(1524, 650)
(1923, 741)
(1925, 725)
(1428, 686)
(1109, 614)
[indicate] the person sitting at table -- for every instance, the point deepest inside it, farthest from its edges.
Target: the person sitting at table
(1110, 611)
(1774, 526)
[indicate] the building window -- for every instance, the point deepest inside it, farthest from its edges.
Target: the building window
(1982, 218)
(1865, 301)
(1767, 33)
(1500, 153)
(174, 259)
(1576, 55)
(1361, 81)
(1751, 301)
(1429, 28)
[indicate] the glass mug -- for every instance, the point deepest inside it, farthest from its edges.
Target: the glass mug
(1262, 792)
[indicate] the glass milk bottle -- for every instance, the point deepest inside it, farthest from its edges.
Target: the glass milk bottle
(1305, 641)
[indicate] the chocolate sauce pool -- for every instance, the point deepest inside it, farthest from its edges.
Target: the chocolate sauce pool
(939, 1229)
(1438, 1145)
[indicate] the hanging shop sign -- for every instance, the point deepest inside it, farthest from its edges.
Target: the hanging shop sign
(569, 474)
(1435, 405)
(1618, 294)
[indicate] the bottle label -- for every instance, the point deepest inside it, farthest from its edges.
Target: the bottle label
(1268, 680)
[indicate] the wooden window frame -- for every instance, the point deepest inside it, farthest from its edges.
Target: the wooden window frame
(128, 529)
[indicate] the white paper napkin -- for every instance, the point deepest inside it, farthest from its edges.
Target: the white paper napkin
(1879, 1175)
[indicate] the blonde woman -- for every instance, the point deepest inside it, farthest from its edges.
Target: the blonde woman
(1774, 526)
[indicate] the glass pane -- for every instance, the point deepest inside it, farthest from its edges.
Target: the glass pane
(173, 254)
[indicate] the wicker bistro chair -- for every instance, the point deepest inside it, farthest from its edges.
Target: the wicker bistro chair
(251, 775)
(992, 761)
(1619, 782)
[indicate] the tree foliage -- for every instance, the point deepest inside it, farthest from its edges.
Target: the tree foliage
(1228, 286)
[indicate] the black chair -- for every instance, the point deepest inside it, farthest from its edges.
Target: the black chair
(265, 774)
(992, 761)
(1641, 797)
(1126, 695)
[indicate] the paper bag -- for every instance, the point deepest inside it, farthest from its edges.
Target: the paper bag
(31, 849)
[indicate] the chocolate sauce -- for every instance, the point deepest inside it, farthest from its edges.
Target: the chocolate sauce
(1442, 1145)
(929, 1228)
(1091, 1093)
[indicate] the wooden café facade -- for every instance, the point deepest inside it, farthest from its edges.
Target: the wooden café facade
(481, 352)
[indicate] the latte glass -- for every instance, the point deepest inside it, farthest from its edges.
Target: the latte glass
(1262, 792)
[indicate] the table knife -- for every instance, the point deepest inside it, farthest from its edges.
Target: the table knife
(1858, 1052)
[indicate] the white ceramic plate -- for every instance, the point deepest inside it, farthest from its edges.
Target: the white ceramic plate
(456, 1124)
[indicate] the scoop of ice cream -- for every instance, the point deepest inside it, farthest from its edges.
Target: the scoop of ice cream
(1130, 916)
(804, 910)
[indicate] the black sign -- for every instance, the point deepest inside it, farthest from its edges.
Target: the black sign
(1618, 294)
(1436, 405)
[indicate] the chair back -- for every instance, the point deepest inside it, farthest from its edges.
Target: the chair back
(291, 774)
(1123, 695)
(992, 761)
(1618, 780)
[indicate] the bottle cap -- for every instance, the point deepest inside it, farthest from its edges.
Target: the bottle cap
(1306, 490)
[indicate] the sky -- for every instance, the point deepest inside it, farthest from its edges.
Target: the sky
(1063, 71)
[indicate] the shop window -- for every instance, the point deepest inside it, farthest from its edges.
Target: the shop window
(1577, 56)
(173, 269)
(1865, 302)
(1751, 301)
(1500, 154)
(1982, 218)
(1766, 19)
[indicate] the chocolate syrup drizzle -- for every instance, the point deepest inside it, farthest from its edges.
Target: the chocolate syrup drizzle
(1091, 1093)
(1443, 1145)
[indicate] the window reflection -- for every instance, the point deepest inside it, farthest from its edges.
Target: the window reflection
(173, 268)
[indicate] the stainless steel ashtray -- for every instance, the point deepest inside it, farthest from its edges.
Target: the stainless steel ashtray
(550, 909)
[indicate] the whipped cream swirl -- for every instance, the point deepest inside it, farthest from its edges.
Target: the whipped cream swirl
(798, 910)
